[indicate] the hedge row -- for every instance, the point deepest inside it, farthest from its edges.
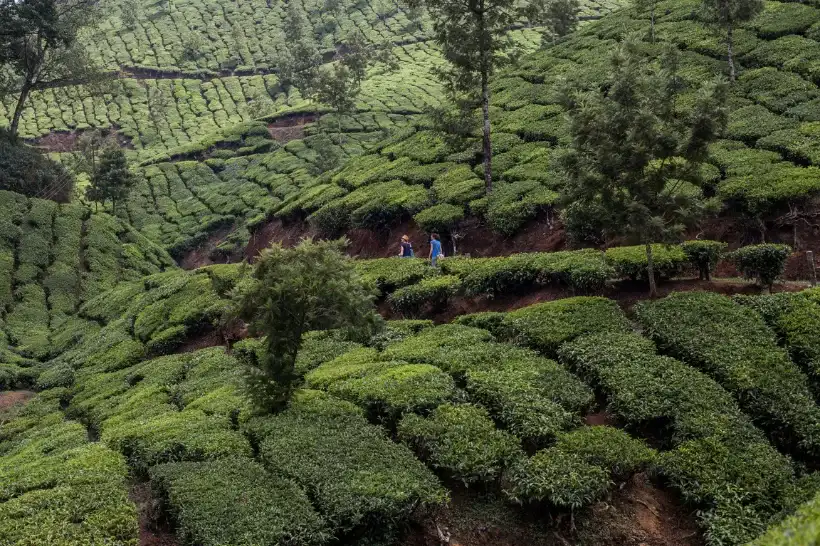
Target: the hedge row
(713, 450)
(579, 469)
(55, 486)
(264, 508)
(359, 480)
(795, 318)
(733, 345)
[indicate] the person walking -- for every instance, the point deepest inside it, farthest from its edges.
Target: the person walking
(435, 249)
(406, 249)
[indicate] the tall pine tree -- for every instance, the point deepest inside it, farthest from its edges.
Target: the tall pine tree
(636, 152)
(728, 15)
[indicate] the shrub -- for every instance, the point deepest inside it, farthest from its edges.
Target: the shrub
(433, 291)
(799, 144)
(631, 262)
(373, 484)
(534, 398)
(545, 326)
(703, 255)
(390, 274)
(235, 501)
(797, 530)
(442, 218)
(461, 440)
(319, 347)
(764, 263)
(397, 330)
(578, 469)
(734, 346)
(394, 390)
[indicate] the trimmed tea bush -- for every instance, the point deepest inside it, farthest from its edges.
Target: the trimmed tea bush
(545, 326)
(442, 218)
(800, 529)
(578, 469)
(764, 263)
(390, 274)
(733, 345)
(433, 291)
(461, 440)
(631, 262)
(534, 398)
(235, 501)
(703, 255)
(357, 477)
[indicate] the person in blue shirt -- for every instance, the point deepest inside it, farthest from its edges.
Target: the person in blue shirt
(435, 249)
(406, 250)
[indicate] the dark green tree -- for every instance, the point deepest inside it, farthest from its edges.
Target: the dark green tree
(313, 286)
(111, 179)
(650, 5)
(300, 61)
(39, 48)
(728, 15)
(474, 39)
(636, 152)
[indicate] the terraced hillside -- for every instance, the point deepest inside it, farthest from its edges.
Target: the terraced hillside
(764, 171)
(138, 398)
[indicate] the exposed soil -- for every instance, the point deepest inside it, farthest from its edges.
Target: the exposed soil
(638, 514)
(61, 141)
(203, 254)
(289, 128)
(473, 239)
(154, 529)
(203, 340)
(602, 417)
(9, 399)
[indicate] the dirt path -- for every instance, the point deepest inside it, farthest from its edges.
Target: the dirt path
(9, 399)
(154, 530)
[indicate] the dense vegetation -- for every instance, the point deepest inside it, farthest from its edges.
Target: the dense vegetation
(140, 368)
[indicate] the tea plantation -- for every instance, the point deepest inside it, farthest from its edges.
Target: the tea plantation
(764, 166)
(538, 382)
(379, 430)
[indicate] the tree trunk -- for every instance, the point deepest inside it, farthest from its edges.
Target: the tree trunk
(18, 110)
(650, 271)
(339, 126)
(488, 149)
(729, 39)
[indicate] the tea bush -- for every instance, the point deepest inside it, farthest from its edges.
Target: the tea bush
(578, 469)
(631, 261)
(390, 274)
(461, 440)
(703, 255)
(764, 263)
(534, 398)
(713, 449)
(236, 501)
(372, 483)
(545, 326)
(801, 528)
(433, 291)
(733, 345)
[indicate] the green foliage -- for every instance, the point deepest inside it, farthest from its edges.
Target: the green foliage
(235, 501)
(636, 117)
(545, 326)
(373, 484)
(703, 255)
(631, 261)
(390, 274)
(26, 171)
(801, 528)
(462, 440)
(584, 270)
(311, 287)
(442, 218)
(764, 263)
(735, 347)
(578, 469)
(433, 291)
(111, 179)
